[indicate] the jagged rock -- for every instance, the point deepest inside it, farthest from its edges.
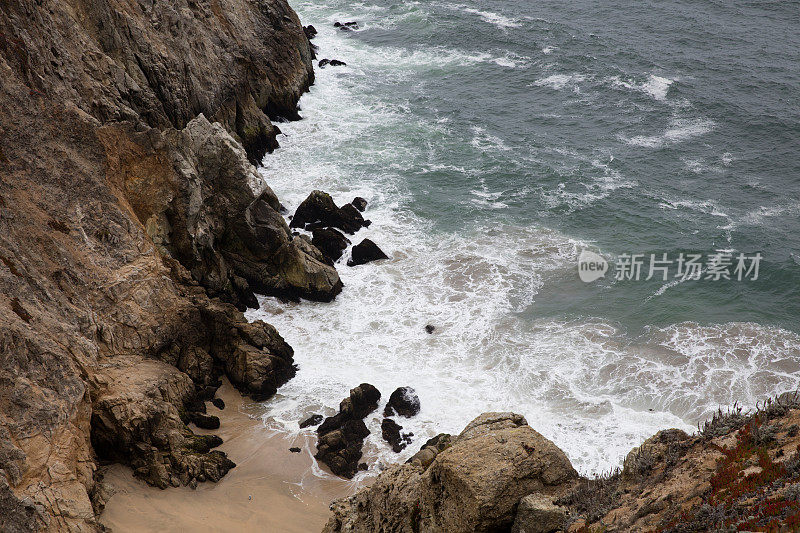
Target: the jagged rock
(313, 420)
(390, 431)
(337, 63)
(330, 242)
(428, 452)
(319, 210)
(365, 252)
(473, 485)
(323, 63)
(310, 31)
(359, 203)
(219, 403)
(538, 514)
(403, 401)
(341, 436)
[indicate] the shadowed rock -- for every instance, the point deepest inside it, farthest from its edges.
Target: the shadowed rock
(365, 252)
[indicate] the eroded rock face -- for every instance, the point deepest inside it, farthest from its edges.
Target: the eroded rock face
(471, 485)
(341, 437)
(105, 168)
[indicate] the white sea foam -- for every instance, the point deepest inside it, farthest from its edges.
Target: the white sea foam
(583, 383)
(656, 87)
(680, 130)
(560, 81)
(496, 19)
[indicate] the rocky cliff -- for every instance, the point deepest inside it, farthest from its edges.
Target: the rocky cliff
(132, 227)
(740, 472)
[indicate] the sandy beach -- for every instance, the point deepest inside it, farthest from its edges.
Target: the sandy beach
(271, 489)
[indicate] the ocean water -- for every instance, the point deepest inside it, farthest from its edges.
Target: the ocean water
(496, 140)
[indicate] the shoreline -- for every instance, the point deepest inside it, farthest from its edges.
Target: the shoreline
(270, 488)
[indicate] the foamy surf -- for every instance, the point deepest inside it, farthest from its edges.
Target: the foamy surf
(587, 382)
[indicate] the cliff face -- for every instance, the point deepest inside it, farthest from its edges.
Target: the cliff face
(131, 227)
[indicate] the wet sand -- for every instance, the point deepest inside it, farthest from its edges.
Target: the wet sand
(271, 489)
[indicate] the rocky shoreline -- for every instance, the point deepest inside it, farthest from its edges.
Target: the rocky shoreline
(135, 231)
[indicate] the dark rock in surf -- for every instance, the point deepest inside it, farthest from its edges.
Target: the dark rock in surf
(310, 31)
(341, 437)
(313, 420)
(390, 431)
(430, 328)
(359, 203)
(319, 211)
(294, 449)
(347, 26)
(323, 63)
(219, 403)
(404, 402)
(330, 242)
(337, 63)
(364, 252)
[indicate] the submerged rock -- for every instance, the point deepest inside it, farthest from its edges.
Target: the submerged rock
(341, 436)
(403, 401)
(346, 26)
(313, 420)
(365, 252)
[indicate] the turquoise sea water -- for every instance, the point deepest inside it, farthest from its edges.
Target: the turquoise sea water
(495, 141)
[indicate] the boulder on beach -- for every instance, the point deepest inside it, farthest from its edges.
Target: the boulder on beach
(364, 252)
(342, 435)
(404, 402)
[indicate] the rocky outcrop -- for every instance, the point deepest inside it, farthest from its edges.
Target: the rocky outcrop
(473, 484)
(127, 196)
(320, 211)
(365, 252)
(341, 437)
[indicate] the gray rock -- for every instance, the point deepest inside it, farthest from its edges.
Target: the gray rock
(538, 514)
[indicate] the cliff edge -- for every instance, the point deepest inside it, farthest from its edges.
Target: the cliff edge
(133, 230)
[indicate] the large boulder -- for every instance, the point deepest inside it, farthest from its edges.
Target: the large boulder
(404, 402)
(365, 252)
(472, 485)
(341, 437)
